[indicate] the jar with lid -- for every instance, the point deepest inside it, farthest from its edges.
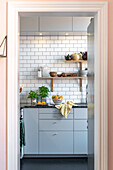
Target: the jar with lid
(45, 71)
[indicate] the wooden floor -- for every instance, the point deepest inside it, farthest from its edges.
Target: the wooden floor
(54, 164)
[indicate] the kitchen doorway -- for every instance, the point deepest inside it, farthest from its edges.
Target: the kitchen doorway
(100, 86)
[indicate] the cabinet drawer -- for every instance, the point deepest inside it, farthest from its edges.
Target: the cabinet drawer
(81, 142)
(80, 125)
(56, 143)
(55, 124)
(51, 110)
(54, 116)
(48, 110)
(80, 113)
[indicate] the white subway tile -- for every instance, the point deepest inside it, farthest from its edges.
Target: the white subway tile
(65, 41)
(38, 61)
(30, 53)
(38, 53)
(46, 53)
(77, 37)
(42, 49)
(26, 65)
(65, 49)
(46, 45)
(82, 41)
(42, 41)
(73, 41)
(30, 61)
(54, 59)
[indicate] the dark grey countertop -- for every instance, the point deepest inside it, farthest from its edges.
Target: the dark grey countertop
(79, 105)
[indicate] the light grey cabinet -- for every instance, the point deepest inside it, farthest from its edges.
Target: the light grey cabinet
(48, 132)
(56, 142)
(56, 125)
(29, 24)
(80, 24)
(31, 131)
(50, 23)
(80, 131)
(80, 142)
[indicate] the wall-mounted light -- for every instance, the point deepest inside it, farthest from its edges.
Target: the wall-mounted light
(4, 45)
(40, 33)
(67, 33)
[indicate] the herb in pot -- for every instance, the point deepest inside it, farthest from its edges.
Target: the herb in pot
(43, 92)
(34, 96)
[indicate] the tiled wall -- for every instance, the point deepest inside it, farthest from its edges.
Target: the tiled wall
(38, 51)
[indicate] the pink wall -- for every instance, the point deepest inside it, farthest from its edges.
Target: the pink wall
(3, 82)
(2, 114)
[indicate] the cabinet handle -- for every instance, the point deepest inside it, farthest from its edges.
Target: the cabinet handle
(54, 134)
(87, 127)
(54, 122)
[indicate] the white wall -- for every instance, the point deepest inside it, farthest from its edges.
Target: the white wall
(39, 51)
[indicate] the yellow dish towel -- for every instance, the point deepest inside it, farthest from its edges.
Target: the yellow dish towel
(65, 108)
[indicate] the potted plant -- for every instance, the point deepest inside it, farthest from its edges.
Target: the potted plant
(43, 92)
(34, 96)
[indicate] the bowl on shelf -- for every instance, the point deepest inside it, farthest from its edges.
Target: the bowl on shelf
(53, 74)
(83, 73)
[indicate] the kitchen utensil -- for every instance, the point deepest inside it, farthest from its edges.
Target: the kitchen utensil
(84, 56)
(75, 56)
(53, 74)
(68, 57)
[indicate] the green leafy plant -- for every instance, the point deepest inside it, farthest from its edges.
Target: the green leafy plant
(33, 95)
(43, 91)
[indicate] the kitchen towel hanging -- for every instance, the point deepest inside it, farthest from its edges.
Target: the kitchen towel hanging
(65, 108)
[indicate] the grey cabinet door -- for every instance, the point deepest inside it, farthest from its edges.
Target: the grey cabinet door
(80, 113)
(31, 131)
(56, 142)
(80, 24)
(80, 125)
(81, 142)
(29, 24)
(55, 23)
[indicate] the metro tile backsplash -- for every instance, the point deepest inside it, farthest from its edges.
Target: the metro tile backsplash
(39, 51)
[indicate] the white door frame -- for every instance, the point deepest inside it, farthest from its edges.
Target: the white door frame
(101, 74)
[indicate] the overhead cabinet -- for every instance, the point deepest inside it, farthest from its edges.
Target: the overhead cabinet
(29, 24)
(55, 24)
(80, 24)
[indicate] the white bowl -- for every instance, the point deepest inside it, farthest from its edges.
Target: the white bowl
(57, 101)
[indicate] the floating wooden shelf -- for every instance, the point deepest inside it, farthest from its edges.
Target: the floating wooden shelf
(76, 61)
(52, 79)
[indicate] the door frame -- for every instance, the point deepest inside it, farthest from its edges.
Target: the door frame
(101, 74)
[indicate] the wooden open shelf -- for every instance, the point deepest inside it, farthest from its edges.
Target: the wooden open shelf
(52, 80)
(76, 61)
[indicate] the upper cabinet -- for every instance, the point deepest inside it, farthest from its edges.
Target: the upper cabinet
(80, 24)
(55, 24)
(29, 24)
(49, 24)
